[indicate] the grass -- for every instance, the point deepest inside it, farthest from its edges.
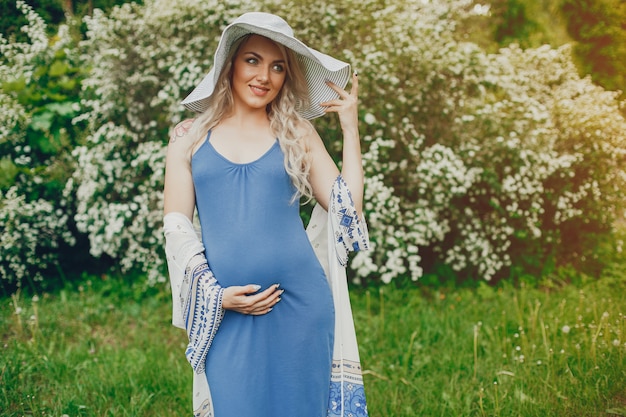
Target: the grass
(107, 349)
(495, 352)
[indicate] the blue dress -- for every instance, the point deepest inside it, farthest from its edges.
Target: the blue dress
(278, 364)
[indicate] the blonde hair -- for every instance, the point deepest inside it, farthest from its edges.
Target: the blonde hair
(285, 121)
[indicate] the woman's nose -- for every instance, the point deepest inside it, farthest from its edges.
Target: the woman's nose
(263, 74)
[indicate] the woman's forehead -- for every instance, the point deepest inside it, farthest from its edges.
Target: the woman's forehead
(262, 45)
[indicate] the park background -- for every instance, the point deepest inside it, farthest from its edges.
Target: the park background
(494, 152)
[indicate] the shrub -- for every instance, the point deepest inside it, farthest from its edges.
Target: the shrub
(39, 98)
(539, 174)
(474, 161)
(30, 240)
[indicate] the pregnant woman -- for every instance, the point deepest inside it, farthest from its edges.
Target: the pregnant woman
(267, 324)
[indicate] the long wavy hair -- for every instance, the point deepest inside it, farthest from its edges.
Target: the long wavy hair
(285, 121)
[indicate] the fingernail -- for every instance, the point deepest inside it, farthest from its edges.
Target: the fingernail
(256, 287)
(282, 291)
(270, 309)
(356, 74)
(277, 286)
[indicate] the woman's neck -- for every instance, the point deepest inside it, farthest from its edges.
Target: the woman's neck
(257, 119)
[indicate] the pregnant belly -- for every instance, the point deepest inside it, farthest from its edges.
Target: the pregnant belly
(265, 263)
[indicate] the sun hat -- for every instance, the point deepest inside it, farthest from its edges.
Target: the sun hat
(318, 67)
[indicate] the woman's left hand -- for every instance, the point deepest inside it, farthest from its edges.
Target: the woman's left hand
(346, 106)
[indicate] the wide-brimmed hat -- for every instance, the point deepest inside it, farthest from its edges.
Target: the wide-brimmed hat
(318, 67)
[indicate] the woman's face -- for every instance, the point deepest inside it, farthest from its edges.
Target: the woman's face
(259, 72)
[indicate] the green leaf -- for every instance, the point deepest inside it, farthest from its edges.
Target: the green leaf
(67, 84)
(45, 144)
(62, 109)
(58, 68)
(60, 54)
(29, 95)
(40, 71)
(42, 122)
(521, 234)
(14, 85)
(57, 97)
(8, 172)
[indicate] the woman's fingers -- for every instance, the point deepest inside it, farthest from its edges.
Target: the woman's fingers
(266, 299)
(354, 91)
(342, 93)
(238, 299)
(346, 101)
(346, 106)
(264, 305)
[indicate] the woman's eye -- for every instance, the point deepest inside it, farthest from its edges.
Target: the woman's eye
(278, 68)
(252, 61)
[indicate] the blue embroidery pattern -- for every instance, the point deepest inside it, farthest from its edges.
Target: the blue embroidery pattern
(346, 394)
(351, 231)
(354, 404)
(202, 314)
(346, 220)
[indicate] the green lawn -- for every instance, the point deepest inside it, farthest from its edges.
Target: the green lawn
(107, 349)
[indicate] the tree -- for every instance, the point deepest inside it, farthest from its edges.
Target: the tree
(51, 11)
(12, 20)
(599, 28)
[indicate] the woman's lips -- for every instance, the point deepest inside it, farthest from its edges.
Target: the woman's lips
(259, 91)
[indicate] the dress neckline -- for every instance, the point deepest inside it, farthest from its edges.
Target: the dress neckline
(267, 152)
(262, 156)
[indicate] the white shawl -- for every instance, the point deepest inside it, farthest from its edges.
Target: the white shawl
(197, 297)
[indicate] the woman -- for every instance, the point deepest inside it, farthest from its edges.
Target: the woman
(244, 163)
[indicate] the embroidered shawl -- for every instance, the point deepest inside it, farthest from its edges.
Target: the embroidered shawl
(197, 297)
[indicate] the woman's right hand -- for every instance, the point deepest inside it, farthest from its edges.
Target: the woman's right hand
(238, 299)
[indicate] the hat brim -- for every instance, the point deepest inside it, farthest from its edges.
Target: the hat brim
(318, 68)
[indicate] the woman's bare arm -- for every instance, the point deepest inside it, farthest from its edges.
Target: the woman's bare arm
(323, 169)
(178, 193)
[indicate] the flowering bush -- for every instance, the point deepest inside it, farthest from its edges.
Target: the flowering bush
(481, 163)
(476, 161)
(473, 160)
(38, 99)
(30, 239)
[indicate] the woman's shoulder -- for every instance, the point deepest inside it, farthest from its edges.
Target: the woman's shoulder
(304, 126)
(181, 138)
(306, 130)
(181, 130)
